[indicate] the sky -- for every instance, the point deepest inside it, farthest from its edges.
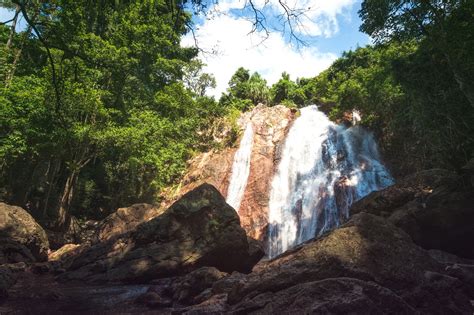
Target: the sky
(329, 28)
(224, 37)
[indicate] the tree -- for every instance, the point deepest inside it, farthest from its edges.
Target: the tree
(96, 107)
(195, 80)
(257, 89)
(238, 82)
(245, 90)
(431, 20)
(287, 91)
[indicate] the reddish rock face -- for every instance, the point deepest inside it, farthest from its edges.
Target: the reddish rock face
(270, 125)
(212, 167)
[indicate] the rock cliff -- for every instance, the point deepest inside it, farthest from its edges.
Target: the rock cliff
(270, 124)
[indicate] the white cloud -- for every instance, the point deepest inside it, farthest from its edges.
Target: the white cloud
(319, 17)
(237, 48)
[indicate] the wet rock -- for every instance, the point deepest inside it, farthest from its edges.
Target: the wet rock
(367, 248)
(153, 300)
(21, 237)
(271, 125)
(329, 296)
(187, 288)
(126, 219)
(434, 207)
(198, 230)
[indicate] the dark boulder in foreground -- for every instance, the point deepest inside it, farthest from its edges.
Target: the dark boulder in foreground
(21, 237)
(198, 230)
(435, 207)
(366, 266)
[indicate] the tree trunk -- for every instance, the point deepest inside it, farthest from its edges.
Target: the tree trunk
(63, 219)
(463, 86)
(13, 27)
(16, 58)
(52, 180)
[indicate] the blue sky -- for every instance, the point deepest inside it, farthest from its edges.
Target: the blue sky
(329, 28)
(6, 15)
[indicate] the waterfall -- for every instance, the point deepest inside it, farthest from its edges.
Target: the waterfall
(324, 168)
(240, 169)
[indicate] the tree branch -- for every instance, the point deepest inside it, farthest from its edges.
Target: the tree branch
(24, 12)
(10, 20)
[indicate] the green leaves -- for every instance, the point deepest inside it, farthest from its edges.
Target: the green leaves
(124, 124)
(246, 90)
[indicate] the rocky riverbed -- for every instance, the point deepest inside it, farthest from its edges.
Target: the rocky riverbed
(195, 258)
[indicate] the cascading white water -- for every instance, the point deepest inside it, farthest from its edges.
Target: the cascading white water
(324, 168)
(240, 169)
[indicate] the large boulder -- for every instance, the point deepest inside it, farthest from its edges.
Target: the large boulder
(126, 219)
(366, 263)
(200, 229)
(21, 237)
(435, 207)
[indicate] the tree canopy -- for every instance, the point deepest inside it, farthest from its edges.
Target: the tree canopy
(95, 112)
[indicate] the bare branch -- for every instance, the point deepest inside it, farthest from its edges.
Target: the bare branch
(259, 21)
(6, 22)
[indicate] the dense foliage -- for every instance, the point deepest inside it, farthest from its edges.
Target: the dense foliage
(94, 113)
(246, 91)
